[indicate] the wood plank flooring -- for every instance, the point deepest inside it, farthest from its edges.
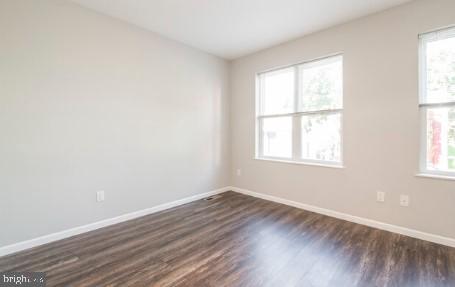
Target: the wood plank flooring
(237, 240)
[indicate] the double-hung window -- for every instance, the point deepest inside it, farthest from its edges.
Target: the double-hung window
(437, 102)
(299, 112)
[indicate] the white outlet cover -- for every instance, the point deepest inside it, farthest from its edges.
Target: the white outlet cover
(239, 172)
(100, 195)
(404, 200)
(380, 196)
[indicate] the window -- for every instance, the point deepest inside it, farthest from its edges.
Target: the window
(437, 102)
(299, 112)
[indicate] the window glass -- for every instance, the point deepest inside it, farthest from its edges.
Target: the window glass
(278, 92)
(277, 137)
(321, 137)
(321, 85)
(441, 139)
(440, 71)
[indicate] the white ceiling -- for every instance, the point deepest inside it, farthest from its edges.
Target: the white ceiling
(234, 28)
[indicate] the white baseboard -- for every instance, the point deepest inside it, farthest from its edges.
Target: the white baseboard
(16, 247)
(360, 220)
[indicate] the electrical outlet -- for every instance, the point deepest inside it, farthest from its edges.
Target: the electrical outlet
(239, 172)
(100, 195)
(380, 196)
(404, 200)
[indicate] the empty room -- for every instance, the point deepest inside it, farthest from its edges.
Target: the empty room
(227, 143)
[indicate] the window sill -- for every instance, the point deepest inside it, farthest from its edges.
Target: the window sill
(435, 176)
(327, 165)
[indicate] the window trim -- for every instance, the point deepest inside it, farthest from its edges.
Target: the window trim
(424, 39)
(296, 118)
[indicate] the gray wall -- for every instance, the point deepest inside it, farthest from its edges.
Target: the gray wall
(90, 103)
(381, 122)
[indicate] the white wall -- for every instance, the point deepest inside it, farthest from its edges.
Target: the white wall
(90, 103)
(381, 122)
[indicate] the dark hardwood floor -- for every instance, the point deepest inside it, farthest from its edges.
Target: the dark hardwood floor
(237, 240)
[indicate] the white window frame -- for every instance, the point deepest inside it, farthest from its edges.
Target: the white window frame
(440, 34)
(296, 118)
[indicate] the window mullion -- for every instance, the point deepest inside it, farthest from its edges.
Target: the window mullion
(259, 135)
(296, 136)
(438, 105)
(296, 89)
(296, 129)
